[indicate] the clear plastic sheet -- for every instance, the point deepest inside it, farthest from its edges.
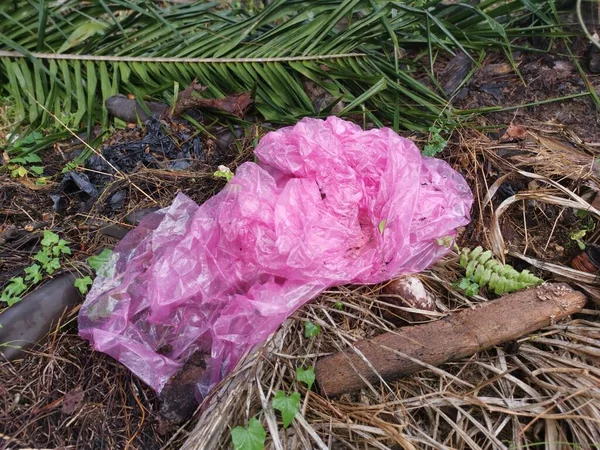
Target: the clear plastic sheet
(327, 204)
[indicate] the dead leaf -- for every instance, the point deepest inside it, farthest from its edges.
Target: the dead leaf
(235, 104)
(514, 132)
(498, 69)
(72, 401)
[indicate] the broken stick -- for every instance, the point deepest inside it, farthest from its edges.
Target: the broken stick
(396, 354)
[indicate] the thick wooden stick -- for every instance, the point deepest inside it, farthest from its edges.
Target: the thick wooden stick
(396, 354)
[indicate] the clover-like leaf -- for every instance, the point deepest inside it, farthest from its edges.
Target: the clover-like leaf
(83, 284)
(13, 290)
(52, 266)
(287, 405)
(97, 261)
(251, 437)
(62, 247)
(43, 256)
(311, 330)
(306, 376)
(50, 238)
(34, 273)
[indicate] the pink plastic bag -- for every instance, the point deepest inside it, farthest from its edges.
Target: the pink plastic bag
(328, 204)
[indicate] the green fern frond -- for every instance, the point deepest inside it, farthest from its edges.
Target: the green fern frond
(69, 57)
(482, 268)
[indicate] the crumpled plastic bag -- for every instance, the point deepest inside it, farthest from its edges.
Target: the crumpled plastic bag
(327, 204)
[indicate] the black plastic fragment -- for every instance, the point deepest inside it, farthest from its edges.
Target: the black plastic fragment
(29, 321)
(130, 110)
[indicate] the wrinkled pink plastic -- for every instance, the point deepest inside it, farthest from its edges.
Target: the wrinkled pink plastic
(222, 276)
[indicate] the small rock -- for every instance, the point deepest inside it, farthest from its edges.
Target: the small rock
(593, 59)
(514, 132)
(407, 292)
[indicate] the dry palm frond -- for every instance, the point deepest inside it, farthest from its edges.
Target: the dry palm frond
(549, 151)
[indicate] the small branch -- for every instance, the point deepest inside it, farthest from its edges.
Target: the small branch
(403, 352)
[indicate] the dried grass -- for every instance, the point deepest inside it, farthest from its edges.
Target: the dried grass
(36, 399)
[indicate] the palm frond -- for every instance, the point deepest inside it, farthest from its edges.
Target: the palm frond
(68, 58)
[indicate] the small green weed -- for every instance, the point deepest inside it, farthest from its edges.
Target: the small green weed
(83, 284)
(436, 142)
(251, 437)
(24, 163)
(224, 172)
(287, 405)
(96, 263)
(306, 376)
(311, 330)
(48, 261)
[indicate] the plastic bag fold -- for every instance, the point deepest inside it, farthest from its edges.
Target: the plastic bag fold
(327, 204)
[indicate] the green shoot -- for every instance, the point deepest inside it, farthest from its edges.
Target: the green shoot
(578, 236)
(436, 142)
(251, 437)
(306, 376)
(224, 172)
(481, 269)
(48, 262)
(311, 330)
(287, 405)
(83, 284)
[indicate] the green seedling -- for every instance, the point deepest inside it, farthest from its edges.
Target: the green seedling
(311, 330)
(287, 405)
(251, 437)
(578, 236)
(83, 284)
(224, 172)
(48, 261)
(306, 376)
(20, 165)
(436, 142)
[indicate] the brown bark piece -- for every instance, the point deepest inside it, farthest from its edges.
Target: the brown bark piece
(401, 353)
(235, 104)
